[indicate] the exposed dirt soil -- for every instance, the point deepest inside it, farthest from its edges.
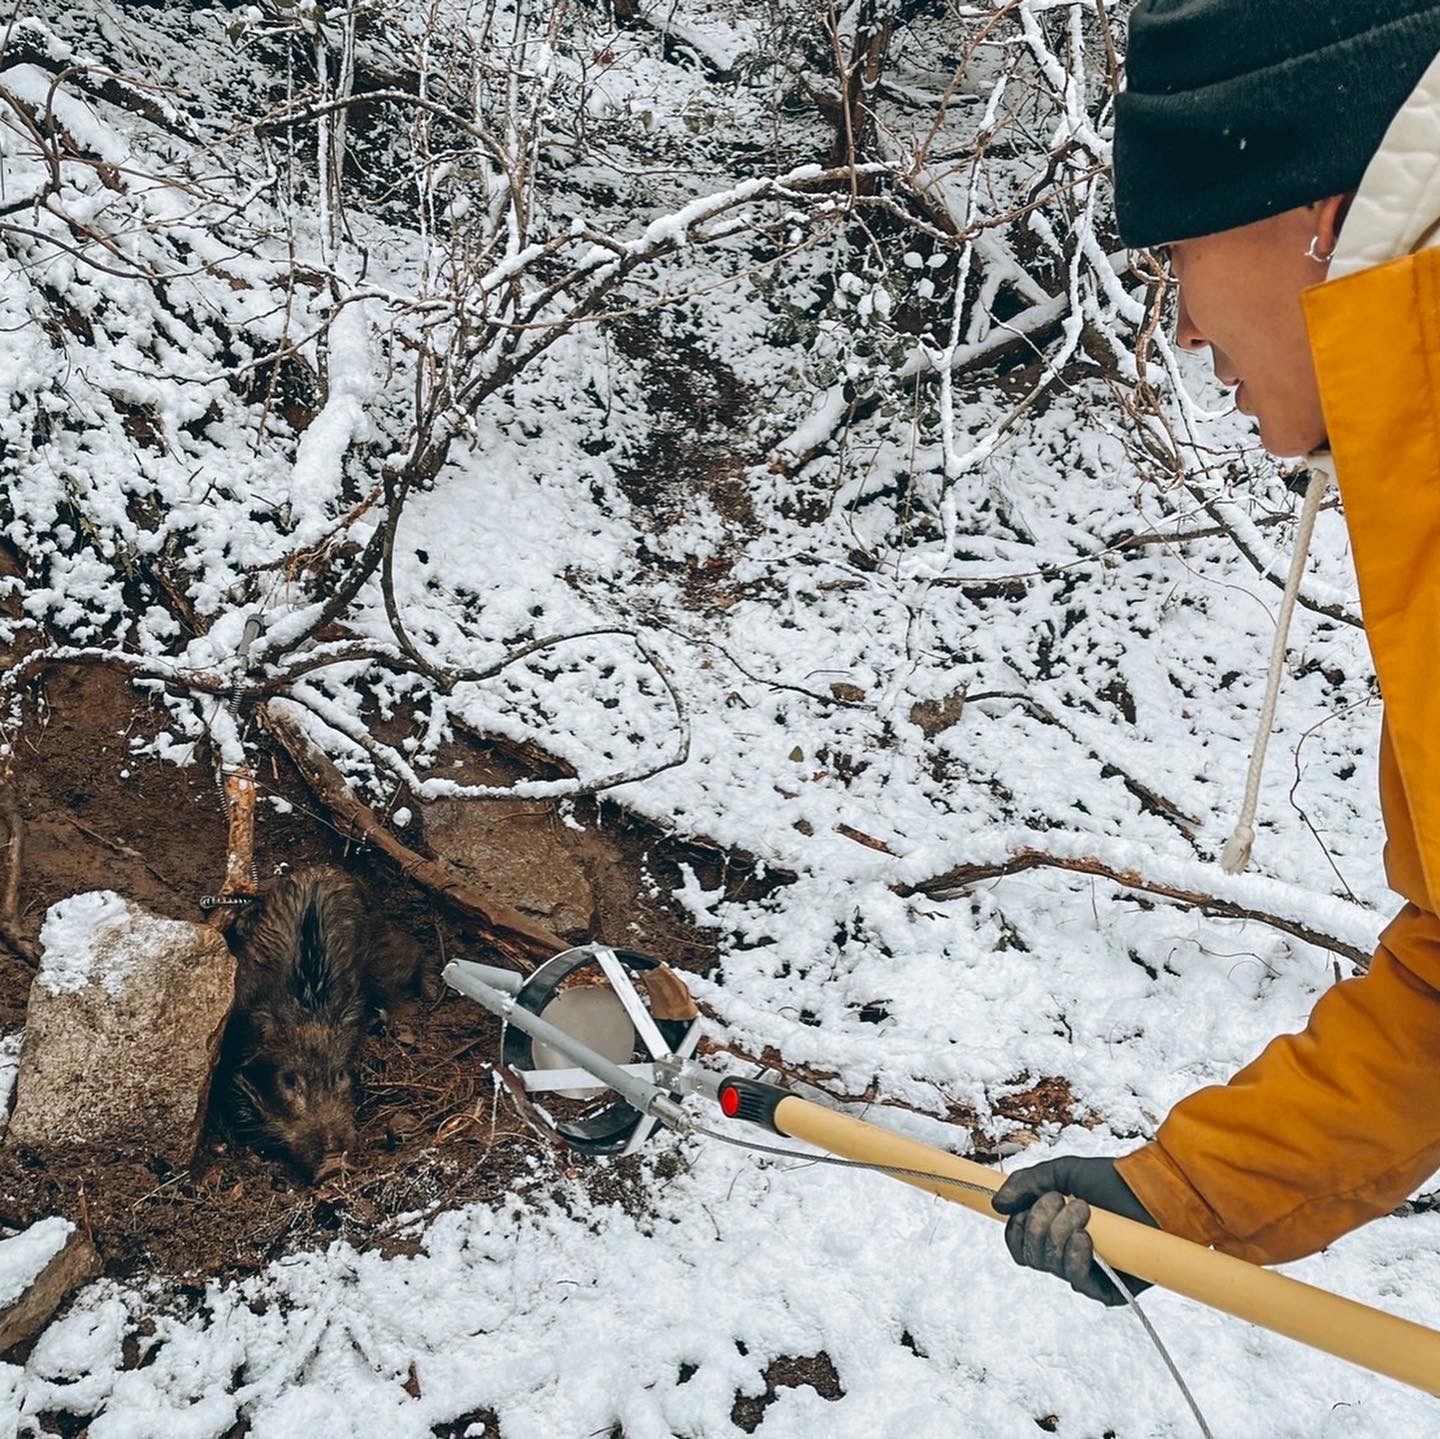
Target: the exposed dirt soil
(787, 1372)
(431, 1132)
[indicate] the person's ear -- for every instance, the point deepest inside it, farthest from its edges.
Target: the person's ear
(1330, 220)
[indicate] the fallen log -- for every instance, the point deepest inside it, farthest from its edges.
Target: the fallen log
(38, 1268)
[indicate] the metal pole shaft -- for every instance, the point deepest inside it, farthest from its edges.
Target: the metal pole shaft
(507, 981)
(639, 1093)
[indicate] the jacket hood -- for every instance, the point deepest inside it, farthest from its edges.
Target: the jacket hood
(1397, 208)
(1375, 334)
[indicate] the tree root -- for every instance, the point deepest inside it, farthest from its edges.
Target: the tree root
(11, 934)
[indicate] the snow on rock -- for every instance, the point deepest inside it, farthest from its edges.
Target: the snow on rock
(91, 938)
(24, 1255)
(10, 1045)
(38, 1268)
(122, 1031)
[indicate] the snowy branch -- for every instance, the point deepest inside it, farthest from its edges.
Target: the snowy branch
(1334, 924)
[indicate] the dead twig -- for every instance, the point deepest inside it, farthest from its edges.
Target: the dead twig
(11, 935)
(858, 836)
(1183, 536)
(1265, 567)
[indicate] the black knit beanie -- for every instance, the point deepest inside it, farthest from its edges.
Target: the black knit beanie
(1238, 109)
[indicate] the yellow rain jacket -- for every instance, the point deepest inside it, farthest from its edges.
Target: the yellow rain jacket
(1337, 1125)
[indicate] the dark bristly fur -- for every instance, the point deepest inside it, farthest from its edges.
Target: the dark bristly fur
(313, 970)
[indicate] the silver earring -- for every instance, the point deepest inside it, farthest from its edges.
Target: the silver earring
(1313, 253)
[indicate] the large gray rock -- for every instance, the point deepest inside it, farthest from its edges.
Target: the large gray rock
(38, 1268)
(122, 1032)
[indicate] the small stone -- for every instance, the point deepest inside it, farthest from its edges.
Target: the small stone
(122, 1031)
(848, 693)
(38, 1268)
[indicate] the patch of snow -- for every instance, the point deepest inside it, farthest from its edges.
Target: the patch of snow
(99, 938)
(24, 1256)
(9, 1067)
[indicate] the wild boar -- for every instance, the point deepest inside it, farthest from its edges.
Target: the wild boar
(313, 969)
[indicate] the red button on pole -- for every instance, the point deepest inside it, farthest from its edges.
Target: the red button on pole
(730, 1101)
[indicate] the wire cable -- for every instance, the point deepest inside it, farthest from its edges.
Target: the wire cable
(899, 1172)
(1144, 1318)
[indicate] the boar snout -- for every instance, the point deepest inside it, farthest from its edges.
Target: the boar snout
(321, 1152)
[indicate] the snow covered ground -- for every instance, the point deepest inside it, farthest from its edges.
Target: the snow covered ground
(803, 611)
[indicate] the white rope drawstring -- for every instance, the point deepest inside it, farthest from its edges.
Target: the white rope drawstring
(1236, 854)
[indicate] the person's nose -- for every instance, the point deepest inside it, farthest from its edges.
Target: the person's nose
(1187, 333)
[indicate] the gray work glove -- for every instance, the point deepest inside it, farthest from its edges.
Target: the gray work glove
(1046, 1229)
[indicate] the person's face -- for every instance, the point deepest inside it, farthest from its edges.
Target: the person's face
(1239, 293)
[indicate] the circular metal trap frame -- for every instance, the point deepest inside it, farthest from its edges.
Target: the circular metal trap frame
(591, 993)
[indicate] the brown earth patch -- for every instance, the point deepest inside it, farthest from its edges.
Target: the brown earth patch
(432, 1133)
(787, 1372)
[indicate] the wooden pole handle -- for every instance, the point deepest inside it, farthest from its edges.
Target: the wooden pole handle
(1384, 1343)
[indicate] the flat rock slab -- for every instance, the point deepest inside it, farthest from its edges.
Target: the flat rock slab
(123, 1028)
(522, 854)
(38, 1268)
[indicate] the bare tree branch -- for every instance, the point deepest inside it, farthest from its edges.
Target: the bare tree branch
(960, 877)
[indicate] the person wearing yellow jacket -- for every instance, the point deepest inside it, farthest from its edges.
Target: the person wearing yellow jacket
(1285, 158)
